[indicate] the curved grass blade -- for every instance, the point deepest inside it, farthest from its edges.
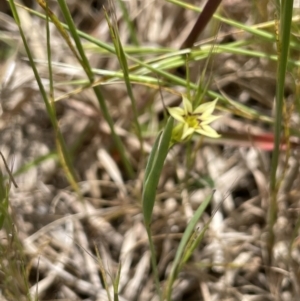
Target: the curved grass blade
(60, 28)
(130, 24)
(196, 238)
(153, 170)
(89, 72)
(187, 236)
(152, 174)
(61, 147)
(114, 32)
(3, 200)
(151, 158)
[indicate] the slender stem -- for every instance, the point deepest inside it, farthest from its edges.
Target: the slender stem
(154, 263)
(283, 44)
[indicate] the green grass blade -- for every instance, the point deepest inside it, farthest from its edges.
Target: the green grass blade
(60, 145)
(60, 28)
(283, 54)
(157, 159)
(183, 244)
(196, 54)
(154, 263)
(73, 31)
(152, 174)
(87, 68)
(124, 66)
(3, 200)
(130, 25)
(103, 273)
(49, 55)
(116, 283)
(203, 84)
(63, 154)
(151, 158)
(196, 238)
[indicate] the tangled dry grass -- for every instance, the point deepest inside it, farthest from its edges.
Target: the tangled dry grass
(50, 248)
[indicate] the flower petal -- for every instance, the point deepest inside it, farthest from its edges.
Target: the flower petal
(208, 131)
(177, 113)
(187, 131)
(209, 119)
(206, 108)
(188, 108)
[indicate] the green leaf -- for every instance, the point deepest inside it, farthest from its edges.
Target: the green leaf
(182, 248)
(154, 168)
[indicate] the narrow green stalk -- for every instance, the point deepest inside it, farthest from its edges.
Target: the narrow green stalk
(63, 155)
(284, 39)
(129, 23)
(154, 263)
(152, 174)
(24, 168)
(185, 246)
(153, 170)
(116, 283)
(283, 54)
(49, 55)
(60, 27)
(124, 66)
(202, 83)
(196, 54)
(103, 274)
(50, 108)
(4, 199)
(87, 68)
(255, 30)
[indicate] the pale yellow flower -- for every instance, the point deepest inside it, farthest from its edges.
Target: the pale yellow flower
(193, 121)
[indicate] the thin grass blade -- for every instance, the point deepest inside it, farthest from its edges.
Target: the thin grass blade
(3, 200)
(130, 25)
(286, 14)
(154, 170)
(183, 244)
(89, 72)
(151, 158)
(62, 150)
(116, 283)
(124, 65)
